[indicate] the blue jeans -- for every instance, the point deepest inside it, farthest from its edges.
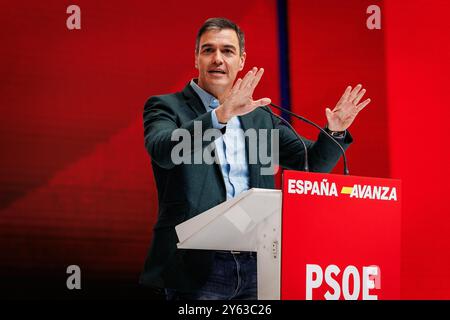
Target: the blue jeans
(233, 277)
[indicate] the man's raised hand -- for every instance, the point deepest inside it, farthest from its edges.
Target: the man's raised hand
(240, 99)
(347, 108)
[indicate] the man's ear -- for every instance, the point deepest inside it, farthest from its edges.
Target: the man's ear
(195, 60)
(242, 62)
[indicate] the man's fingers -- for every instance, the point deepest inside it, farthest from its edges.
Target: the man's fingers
(237, 85)
(345, 95)
(359, 96)
(256, 79)
(363, 104)
(261, 102)
(355, 92)
(248, 78)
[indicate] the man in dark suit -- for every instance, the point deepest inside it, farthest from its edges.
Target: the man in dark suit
(215, 101)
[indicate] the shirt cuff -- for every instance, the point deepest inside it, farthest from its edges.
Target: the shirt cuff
(215, 121)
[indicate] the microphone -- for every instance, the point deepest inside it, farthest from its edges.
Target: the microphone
(306, 166)
(346, 171)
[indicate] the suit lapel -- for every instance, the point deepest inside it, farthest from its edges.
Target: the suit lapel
(195, 103)
(193, 100)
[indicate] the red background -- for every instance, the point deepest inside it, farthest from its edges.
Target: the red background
(75, 181)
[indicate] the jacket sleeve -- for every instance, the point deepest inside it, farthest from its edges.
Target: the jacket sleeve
(161, 124)
(323, 154)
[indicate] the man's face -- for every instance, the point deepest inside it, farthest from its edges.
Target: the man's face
(218, 61)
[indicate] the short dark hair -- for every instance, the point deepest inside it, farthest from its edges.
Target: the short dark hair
(221, 23)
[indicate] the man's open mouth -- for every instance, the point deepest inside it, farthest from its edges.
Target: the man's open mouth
(217, 71)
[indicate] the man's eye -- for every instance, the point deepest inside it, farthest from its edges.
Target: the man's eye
(207, 50)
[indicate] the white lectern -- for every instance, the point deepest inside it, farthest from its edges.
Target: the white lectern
(249, 222)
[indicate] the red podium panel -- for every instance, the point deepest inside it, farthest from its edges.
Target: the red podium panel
(340, 237)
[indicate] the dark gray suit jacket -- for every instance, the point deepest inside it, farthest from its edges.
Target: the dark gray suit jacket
(186, 190)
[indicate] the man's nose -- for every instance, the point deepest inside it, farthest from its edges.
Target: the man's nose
(217, 58)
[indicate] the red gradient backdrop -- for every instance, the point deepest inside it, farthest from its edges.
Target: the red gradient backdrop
(418, 68)
(331, 48)
(76, 184)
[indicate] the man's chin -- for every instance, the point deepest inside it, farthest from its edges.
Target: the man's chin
(217, 87)
(219, 77)
(218, 82)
